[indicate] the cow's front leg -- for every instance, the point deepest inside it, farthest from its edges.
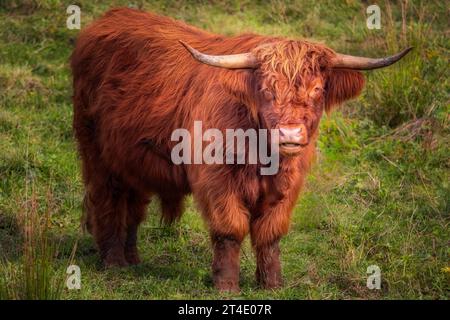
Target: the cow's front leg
(266, 231)
(268, 267)
(228, 221)
(225, 265)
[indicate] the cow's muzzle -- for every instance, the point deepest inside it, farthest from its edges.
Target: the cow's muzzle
(292, 139)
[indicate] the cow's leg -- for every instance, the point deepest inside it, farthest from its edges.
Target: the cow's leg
(229, 224)
(266, 231)
(108, 201)
(137, 205)
(268, 269)
(172, 206)
(225, 265)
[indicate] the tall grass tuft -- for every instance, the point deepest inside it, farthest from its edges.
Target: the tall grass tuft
(415, 88)
(35, 277)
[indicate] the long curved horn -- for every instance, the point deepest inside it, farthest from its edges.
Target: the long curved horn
(342, 61)
(232, 61)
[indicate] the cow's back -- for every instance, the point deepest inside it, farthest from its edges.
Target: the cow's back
(121, 46)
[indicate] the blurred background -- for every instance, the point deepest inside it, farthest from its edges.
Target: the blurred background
(378, 193)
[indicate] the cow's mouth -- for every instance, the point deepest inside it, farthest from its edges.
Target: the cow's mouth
(290, 148)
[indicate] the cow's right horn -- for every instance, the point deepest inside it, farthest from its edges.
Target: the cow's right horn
(232, 61)
(362, 63)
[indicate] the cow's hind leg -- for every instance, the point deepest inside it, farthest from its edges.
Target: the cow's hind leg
(108, 215)
(137, 205)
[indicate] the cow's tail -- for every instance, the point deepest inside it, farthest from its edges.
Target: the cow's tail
(172, 208)
(86, 223)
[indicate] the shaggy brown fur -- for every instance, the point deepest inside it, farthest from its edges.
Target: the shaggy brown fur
(134, 84)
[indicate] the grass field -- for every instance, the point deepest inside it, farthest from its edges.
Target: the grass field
(378, 193)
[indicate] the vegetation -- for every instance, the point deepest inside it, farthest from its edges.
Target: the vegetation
(378, 194)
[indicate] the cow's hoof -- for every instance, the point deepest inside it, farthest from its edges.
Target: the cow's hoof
(224, 286)
(132, 256)
(269, 282)
(271, 286)
(113, 263)
(114, 258)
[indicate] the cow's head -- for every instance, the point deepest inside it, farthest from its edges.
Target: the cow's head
(295, 81)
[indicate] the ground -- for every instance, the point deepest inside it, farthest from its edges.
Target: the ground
(378, 193)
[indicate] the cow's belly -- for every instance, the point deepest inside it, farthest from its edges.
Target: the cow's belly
(142, 169)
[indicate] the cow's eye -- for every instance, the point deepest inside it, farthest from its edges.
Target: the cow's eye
(317, 91)
(268, 95)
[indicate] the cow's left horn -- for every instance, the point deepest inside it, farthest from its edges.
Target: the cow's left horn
(232, 61)
(342, 61)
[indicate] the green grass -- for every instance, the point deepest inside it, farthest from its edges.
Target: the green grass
(37, 275)
(378, 193)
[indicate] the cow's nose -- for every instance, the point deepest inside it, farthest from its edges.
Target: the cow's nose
(293, 135)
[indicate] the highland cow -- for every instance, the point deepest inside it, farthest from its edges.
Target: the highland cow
(138, 76)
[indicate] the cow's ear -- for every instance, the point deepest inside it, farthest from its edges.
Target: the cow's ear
(341, 86)
(240, 84)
